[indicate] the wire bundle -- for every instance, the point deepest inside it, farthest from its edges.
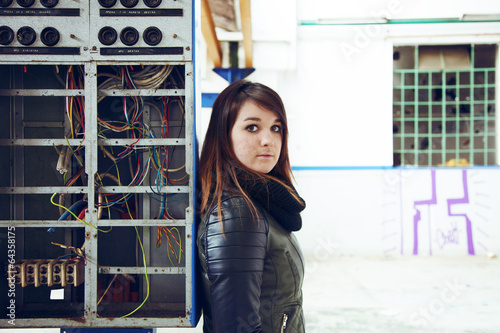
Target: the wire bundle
(75, 105)
(169, 234)
(127, 121)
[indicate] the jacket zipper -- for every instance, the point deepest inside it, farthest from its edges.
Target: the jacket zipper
(283, 323)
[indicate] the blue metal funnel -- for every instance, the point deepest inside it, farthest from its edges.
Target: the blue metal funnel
(234, 74)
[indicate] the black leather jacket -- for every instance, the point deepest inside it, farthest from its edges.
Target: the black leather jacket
(252, 271)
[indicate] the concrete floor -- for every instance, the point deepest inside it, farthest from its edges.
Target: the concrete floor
(405, 294)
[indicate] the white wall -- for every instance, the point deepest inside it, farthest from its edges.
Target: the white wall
(373, 212)
(393, 9)
(336, 82)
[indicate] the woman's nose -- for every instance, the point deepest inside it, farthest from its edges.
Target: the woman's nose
(266, 138)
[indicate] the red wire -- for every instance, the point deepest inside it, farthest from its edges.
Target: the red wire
(129, 147)
(136, 171)
(82, 113)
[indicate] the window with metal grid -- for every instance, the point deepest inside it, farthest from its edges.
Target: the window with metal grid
(444, 105)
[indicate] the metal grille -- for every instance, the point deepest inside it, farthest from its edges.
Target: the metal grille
(445, 117)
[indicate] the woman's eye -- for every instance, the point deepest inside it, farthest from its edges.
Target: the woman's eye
(252, 128)
(276, 128)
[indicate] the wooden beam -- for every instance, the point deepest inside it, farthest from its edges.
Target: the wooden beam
(224, 14)
(208, 30)
(246, 29)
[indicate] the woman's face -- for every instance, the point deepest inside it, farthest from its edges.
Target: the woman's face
(256, 137)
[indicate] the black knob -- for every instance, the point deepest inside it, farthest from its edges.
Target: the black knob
(107, 3)
(107, 36)
(49, 3)
(129, 36)
(152, 3)
(26, 36)
(50, 36)
(129, 3)
(5, 3)
(152, 36)
(25, 3)
(6, 35)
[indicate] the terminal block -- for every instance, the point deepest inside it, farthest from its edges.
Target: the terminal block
(48, 272)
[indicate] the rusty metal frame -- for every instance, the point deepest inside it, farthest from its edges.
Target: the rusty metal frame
(80, 35)
(91, 142)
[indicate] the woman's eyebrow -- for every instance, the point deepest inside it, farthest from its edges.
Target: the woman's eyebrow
(252, 119)
(277, 120)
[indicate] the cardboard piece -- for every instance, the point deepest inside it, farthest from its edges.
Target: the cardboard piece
(444, 57)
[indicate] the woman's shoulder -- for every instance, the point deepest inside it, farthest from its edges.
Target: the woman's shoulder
(235, 210)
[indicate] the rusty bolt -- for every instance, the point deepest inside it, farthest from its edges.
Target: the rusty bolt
(175, 36)
(188, 48)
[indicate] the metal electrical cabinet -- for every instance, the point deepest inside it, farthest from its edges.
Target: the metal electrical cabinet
(96, 163)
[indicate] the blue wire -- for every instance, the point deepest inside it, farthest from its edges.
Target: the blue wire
(69, 255)
(67, 213)
(109, 204)
(168, 201)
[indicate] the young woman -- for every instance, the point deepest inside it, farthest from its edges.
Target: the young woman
(252, 267)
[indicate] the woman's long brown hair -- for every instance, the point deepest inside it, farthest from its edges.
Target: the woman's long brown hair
(218, 163)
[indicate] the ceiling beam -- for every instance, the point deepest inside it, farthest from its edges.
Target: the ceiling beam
(246, 29)
(224, 15)
(208, 30)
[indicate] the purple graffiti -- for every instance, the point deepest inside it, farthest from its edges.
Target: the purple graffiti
(447, 237)
(464, 200)
(417, 216)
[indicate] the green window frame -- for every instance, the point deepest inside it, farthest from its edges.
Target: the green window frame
(445, 117)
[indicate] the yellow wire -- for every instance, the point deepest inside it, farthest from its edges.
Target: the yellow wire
(180, 243)
(146, 274)
(70, 109)
(74, 154)
(142, 249)
(180, 246)
(76, 217)
(118, 176)
(145, 265)
(176, 180)
(70, 102)
(176, 169)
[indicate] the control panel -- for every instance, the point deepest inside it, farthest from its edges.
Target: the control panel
(96, 30)
(43, 29)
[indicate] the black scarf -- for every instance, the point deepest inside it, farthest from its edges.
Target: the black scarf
(274, 198)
